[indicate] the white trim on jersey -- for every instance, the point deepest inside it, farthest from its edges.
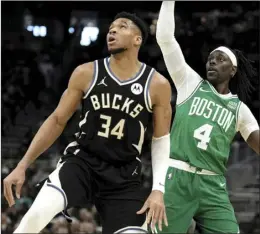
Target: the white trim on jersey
(138, 159)
(73, 143)
(121, 82)
(147, 98)
(184, 101)
(141, 140)
(83, 121)
(237, 112)
(94, 80)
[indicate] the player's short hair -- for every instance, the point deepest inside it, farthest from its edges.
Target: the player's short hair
(137, 21)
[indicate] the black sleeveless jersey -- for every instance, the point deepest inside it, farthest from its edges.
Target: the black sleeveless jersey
(115, 115)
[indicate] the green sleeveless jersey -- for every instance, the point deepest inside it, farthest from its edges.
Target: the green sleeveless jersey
(204, 127)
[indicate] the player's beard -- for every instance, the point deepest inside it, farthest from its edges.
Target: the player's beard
(117, 51)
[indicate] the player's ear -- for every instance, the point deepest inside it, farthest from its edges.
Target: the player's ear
(233, 72)
(138, 40)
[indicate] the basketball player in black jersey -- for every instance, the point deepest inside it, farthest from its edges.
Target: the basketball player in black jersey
(120, 96)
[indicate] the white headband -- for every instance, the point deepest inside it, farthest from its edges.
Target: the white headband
(229, 53)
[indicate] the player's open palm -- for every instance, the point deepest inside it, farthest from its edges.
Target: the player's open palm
(156, 209)
(16, 177)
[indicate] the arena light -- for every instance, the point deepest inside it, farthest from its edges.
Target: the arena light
(36, 31)
(71, 30)
(88, 35)
(29, 28)
(43, 31)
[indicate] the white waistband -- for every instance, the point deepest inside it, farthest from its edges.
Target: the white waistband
(186, 167)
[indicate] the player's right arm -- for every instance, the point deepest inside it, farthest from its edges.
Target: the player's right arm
(182, 75)
(52, 127)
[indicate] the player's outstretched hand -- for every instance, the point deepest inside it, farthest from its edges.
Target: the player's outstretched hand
(16, 177)
(156, 213)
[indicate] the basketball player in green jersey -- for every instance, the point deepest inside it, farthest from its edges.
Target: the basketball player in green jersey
(207, 118)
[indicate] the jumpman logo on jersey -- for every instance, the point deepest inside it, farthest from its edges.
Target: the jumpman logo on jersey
(102, 82)
(135, 171)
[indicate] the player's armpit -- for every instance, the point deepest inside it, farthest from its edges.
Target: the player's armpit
(254, 142)
(160, 91)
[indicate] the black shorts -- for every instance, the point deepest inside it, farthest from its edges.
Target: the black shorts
(118, 214)
(80, 186)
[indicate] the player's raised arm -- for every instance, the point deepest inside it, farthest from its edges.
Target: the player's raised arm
(173, 56)
(172, 53)
(249, 128)
(51, 129)
(160, 91)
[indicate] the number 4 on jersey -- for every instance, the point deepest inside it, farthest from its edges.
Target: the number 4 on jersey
(202, 133)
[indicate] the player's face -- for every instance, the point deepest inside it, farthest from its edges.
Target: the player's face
(122, 35)
(219, 68)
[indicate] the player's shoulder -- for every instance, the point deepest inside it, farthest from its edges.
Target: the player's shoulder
(159, 81)
(160, 87)
(84, 71)
(245, 115)
(243, 108)
(82, 75)
(85, 68)
(90, 67)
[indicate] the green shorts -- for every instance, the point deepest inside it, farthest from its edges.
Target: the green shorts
(202, 197)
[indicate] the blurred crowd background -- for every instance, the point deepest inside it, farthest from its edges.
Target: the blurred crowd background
(42, 42)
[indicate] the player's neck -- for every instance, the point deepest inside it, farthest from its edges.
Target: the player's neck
(222, 88)
(124, 65)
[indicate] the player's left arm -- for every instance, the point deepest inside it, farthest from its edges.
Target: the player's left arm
(253, 141)
(160, 93)
(248, 127)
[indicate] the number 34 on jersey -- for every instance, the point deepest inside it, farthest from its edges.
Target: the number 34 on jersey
(118, 130)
